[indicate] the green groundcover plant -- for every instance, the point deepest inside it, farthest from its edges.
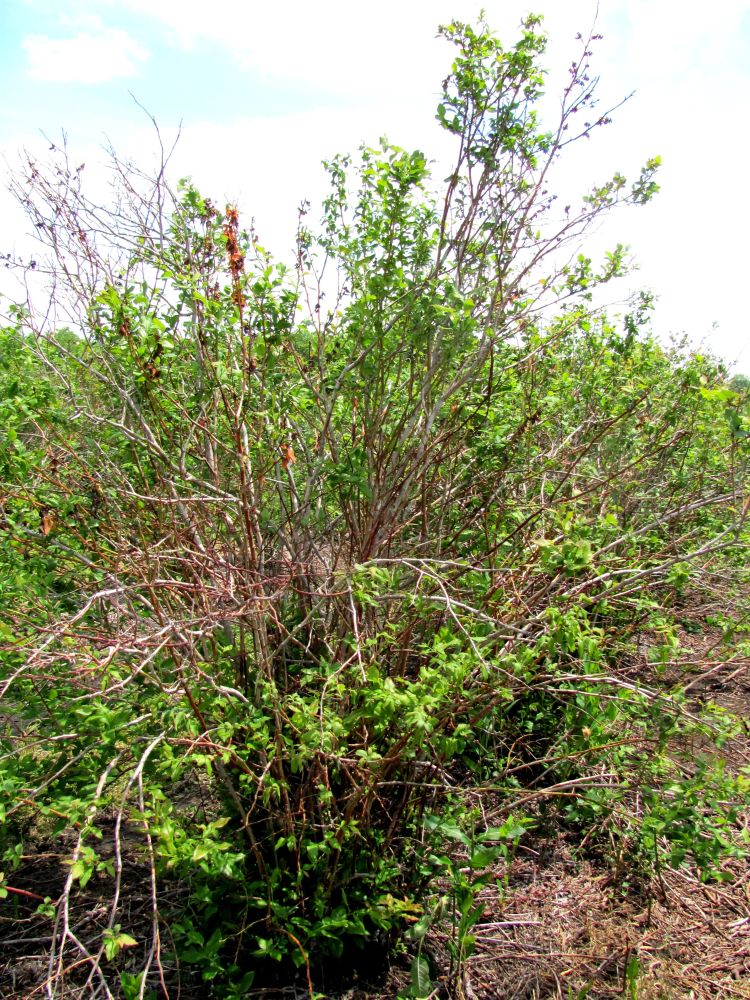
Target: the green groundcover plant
(300, 561)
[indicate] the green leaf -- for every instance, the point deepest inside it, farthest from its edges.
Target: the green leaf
(482, 857)
(721, 395)
(115, 940)
(421, 981)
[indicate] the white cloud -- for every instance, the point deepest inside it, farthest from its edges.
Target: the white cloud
(351, 48)
(83, 58)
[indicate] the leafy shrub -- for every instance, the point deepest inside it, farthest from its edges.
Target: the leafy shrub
(302, 559)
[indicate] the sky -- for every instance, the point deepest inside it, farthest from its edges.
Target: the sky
(262, 92)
